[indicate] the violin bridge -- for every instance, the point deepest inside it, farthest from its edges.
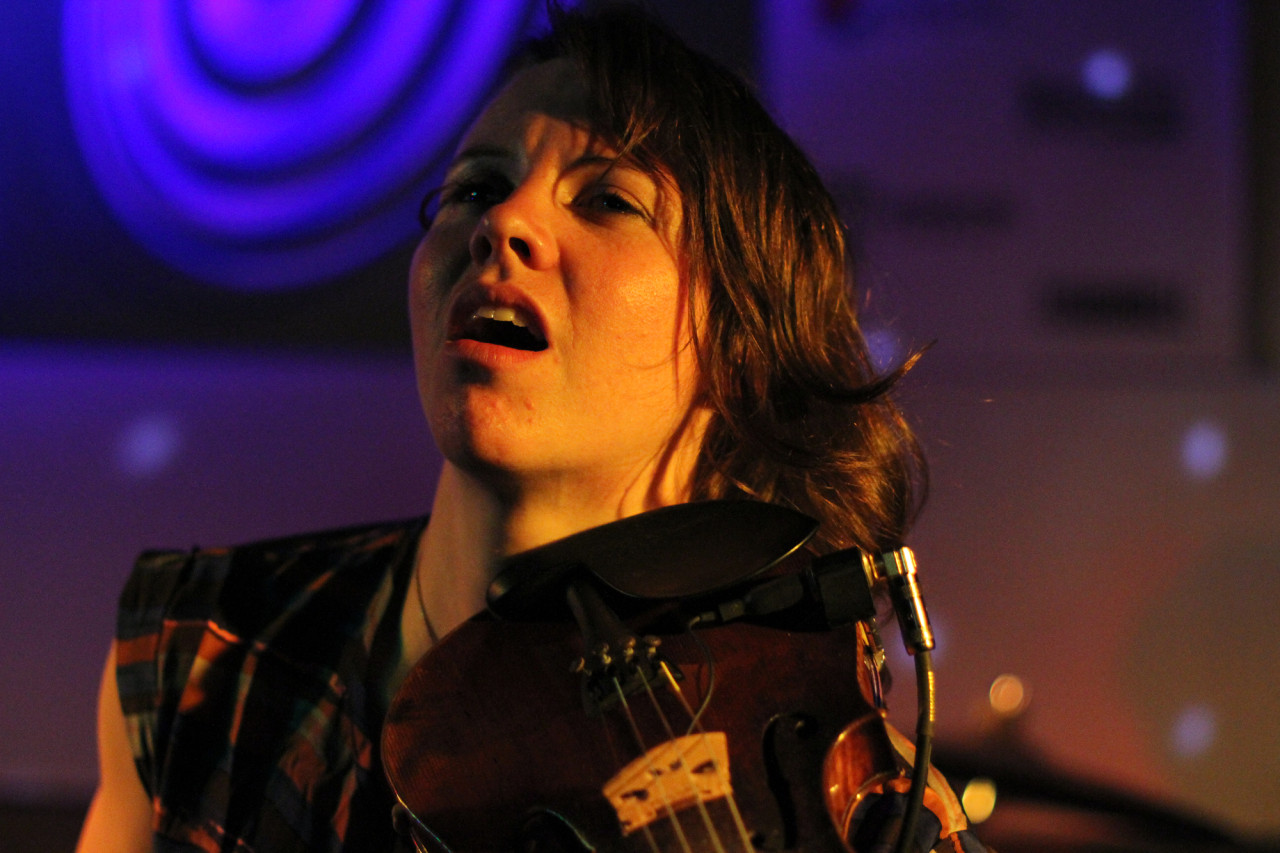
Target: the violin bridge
(669, 778)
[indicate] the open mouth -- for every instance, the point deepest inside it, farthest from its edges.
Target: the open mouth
(502, 326)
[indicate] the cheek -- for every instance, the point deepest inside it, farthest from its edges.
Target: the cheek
(656, 315)
(437, 263)
(649, 340)
(428, 291)
(420, 274)
(649, 302)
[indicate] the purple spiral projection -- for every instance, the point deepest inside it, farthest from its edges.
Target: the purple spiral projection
(269, 144)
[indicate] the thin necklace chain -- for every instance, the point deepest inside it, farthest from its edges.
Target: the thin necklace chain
(422, 606)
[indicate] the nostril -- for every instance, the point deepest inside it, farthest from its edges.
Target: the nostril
(521, 248)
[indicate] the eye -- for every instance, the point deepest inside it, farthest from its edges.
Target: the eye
(604, 199)
(472, 192)
(480, 192)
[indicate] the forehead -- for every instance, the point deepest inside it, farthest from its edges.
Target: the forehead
(553, 88)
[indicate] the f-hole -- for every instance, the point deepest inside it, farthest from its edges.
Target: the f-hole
(546, 831)
(799, 727)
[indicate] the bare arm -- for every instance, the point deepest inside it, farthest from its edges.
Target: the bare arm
(119, 819)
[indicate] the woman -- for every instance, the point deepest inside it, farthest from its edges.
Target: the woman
(631, 293)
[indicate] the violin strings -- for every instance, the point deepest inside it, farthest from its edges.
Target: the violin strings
(696, 724)
(667, 805)
(653, 842)
(648, 833)
(710, 663)
(688, 774)
(626, 707)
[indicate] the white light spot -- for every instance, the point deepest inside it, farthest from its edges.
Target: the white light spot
(1107, 74)
(148, 445)
(885, 349)
(1204, 450)
(901, 662)
(1194, 731)
(979, 799)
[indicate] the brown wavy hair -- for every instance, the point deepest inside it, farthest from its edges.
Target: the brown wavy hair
(799, 415)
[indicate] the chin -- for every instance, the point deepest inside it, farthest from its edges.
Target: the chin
(493, 459)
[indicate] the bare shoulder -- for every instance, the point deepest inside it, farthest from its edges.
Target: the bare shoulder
(119, 818)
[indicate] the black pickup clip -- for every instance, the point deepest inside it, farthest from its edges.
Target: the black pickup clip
(837, 589)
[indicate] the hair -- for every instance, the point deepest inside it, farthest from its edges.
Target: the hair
(798, 414)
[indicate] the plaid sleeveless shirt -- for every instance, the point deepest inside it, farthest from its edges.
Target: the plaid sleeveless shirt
(252, 683)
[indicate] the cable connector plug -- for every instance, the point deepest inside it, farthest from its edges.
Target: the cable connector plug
(897, 569)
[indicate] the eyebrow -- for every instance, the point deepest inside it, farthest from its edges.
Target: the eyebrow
(598, 159)
(611, 162)
(478, 152)
(497, 152)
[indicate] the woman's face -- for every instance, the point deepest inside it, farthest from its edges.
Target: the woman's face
(550, 323)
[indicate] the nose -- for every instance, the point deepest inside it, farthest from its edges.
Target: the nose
(511, 232)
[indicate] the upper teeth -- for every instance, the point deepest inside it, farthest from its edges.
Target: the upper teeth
(503, 314)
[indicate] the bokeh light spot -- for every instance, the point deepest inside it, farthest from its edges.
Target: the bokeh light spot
(1204, 450)
(148, 446)
(1107, 74)
(901, 662)
(979, 799)
(1008, 696)
(1194, 731)
(885, 349)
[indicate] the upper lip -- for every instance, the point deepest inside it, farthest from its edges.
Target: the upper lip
(478, 299)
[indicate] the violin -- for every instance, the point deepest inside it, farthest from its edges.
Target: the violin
(610, 701)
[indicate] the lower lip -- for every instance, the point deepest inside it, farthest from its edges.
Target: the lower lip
(489, 355)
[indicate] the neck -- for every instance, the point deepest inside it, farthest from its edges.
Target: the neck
(460, 549)
(475, 524)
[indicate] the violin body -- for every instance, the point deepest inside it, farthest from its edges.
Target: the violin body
(494, 744)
